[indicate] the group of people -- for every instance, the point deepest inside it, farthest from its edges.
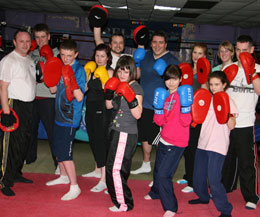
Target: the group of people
(120, 111)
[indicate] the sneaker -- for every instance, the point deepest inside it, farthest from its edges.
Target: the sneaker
(151, 184)
(147, 197)
(57, 171)
(182, 181)
(250, 205)
(145, 168)
(106, 192)
(92, 174)
(187, 189)
(115, 209)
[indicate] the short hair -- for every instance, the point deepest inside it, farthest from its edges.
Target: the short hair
(162, 34)
(221, 76)
(120, 34)
(41, 27)
(126, 62)
(227, 45)
(172, 71)
(245, 39)
(20, 30)
(69, 44)
(107, 49)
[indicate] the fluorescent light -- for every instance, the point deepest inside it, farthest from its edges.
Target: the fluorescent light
(123, 7)
(164, 8)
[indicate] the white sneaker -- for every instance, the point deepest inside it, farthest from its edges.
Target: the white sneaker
(250, 205)
(99, 187)
(57, 171)
(106, 192)
(151, 184)
(147, 197)
(187, 189)
(145, 168)
(92, 174)
(58, 181)
(182, 181)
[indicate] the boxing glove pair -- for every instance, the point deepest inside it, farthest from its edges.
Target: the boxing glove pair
(186, 99)
(121, 89)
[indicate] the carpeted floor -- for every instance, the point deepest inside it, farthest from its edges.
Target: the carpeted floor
(39, 200)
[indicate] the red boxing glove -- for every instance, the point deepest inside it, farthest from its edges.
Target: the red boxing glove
(52, 71)
(248, 63)
(200, 106)
(33, 46)
(70, 82)
(110, 87)
(231, 72)
(46, 52)
(187, 74)
(203, 70)
(221, 107)
(124, 89)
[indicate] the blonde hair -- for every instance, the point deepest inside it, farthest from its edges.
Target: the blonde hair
(227, 45)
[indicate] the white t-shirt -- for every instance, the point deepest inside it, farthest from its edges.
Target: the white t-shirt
(215, 136)
(115, 58)
(245, 98)
(20, 72)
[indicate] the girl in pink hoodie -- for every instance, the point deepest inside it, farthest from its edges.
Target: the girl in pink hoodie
(174, 121)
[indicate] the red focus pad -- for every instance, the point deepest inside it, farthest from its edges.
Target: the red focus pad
(248, 63)
(221, 106)
(52, 71)
(124, 89)
(203, 70)
(231, 72)
(141, 35)
(200, 106)
(97, 16)
(187, 74)
(46, 51)
(70, 82)
(33, 46)
(11, 128)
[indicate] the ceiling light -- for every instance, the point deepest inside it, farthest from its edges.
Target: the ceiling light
(163, 8)
(123, 7)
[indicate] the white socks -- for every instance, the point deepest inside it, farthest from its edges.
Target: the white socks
(169, 213)
(99, 187)
(115, 209)
(92, 174)
(61, 180)
(73, 193)
(145, 168)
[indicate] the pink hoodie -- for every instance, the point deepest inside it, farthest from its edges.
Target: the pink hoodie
(175, 125)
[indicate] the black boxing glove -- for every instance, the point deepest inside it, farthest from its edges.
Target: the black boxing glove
(8, 120)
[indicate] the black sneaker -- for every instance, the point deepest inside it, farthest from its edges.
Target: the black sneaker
(23, 180)
(7, 191)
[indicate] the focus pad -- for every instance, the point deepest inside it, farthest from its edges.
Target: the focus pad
(203, 70)
(97, 16)
(141, 35)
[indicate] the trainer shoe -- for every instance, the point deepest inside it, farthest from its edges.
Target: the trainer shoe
(151, 184)
(92, 174)
(187, 189)
(145, 168)
(182, 181)
(250, 205)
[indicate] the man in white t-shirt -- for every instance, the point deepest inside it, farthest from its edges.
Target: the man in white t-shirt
(116, 43)
(17, 91)
(241, 158)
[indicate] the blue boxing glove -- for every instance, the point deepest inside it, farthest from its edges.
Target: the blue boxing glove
(186, 98)
(160, 66)
(160, 95)
(139, 55)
